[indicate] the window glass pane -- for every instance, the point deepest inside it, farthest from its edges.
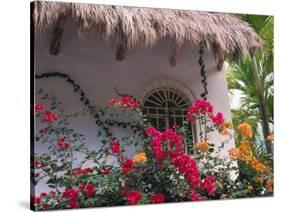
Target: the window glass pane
(162, 125)
(165, 107)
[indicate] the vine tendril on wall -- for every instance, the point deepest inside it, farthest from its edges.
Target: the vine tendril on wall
(203, 80)
(203, 73)
(83, 97)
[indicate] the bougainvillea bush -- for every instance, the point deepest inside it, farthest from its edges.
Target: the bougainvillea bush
(161, 170)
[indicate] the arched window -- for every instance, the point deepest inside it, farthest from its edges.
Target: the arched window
(167, 106)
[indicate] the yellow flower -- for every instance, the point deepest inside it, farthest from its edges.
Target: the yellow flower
(245, 130)
(203, 146)
(258, 166)
(270, 137)
(141, 157)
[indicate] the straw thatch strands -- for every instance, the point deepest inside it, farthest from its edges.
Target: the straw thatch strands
(128, 27)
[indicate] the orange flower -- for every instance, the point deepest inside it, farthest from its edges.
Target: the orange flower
(270, 137)
(141, 157)
(243, 152)
(203, 146)
(269, 185)
(250, 188)
(218, 184)
(225, 132)
(245, 130)
(260, 180)
(258, 166)
(225, 128)
(234, 153)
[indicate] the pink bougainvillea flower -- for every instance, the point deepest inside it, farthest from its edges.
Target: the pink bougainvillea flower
(43, 194)
(185, 164)
(127, 166)
(39, 107)
(125, 102)
(49, 117)
(112, 101)
(217, 119)
(36, 200)
(195, 196)
(200, 107)
(45, 206)
(151, 131)
(88, 189)
(208, 185)
(37, 163)
(106, 171)
(115, 147)
(52, 193)
(62, 144)
(82, 171)
(158, 198)
(73, 195)
(133, 197)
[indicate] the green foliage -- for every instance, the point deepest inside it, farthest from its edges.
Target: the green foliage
(255, 84)
(65, 172)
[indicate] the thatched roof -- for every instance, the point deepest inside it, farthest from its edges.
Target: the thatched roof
(226, 34)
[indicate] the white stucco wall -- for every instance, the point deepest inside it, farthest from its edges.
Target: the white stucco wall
(91, 62)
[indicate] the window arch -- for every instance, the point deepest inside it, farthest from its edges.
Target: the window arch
(166, 106)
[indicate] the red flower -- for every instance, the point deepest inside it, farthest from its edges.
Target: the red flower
(106, 171)
(73, 195)
(53, 193)
(73, 203)
(115, 147)
(194, 196)
(62, 144)
(199, 107)
(185, 164)
(83, 171)
(36, 200)
(43, 194)
(127, 166)
(112, 101)
(207, 185)
(49, 117)
(88, 189)
(133, 197)
(45, 206)
(217, 119)
(39, 107)
(158, 198)
(151, 131)
(37, 163)
(125, 102)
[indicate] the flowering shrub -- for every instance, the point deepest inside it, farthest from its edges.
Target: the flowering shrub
(161, 171)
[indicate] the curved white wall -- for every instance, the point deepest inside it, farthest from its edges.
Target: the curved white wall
(91, 62)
